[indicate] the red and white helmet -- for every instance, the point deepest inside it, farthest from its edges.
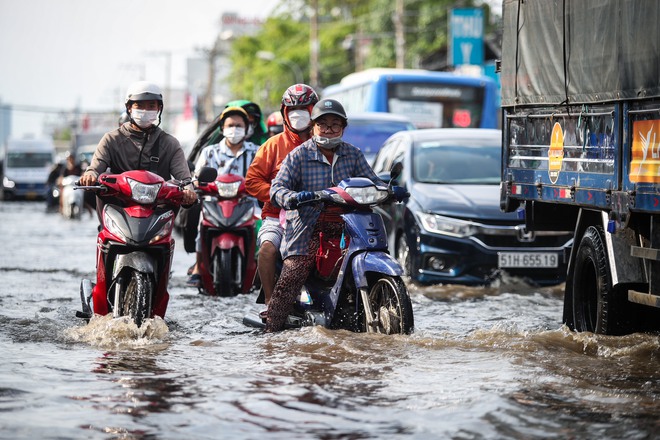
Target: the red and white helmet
(275, 123)
(299, 95)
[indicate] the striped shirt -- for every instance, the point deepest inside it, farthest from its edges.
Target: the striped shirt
(306, 169)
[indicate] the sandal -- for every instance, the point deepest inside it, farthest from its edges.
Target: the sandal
(263, 315)
(190, 269)
(195, 280)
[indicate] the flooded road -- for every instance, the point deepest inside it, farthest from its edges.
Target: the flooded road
(482, 364)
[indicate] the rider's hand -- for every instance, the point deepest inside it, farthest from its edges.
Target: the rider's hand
(87, 179)
(400, 193)
(189, 197)
(304, 196)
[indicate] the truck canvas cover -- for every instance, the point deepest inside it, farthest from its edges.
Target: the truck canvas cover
(557, 52)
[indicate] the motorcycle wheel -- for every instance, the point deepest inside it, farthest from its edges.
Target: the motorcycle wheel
(222, 274)
(137, 298)
(390, 306)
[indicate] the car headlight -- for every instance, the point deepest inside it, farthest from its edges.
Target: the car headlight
(228, 190)
(367, 195)
(142, 192)
(448, 226)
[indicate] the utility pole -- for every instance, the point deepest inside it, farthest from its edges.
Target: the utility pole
(400, 36)
(314, 45)
(208, 95)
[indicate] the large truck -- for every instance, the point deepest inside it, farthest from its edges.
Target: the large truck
(581, 149)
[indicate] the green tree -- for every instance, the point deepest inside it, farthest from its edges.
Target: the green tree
(352, 34)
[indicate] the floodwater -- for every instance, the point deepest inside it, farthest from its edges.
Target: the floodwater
(482, 364)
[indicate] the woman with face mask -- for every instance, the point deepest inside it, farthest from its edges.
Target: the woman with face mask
(321, 162)
(233, 154)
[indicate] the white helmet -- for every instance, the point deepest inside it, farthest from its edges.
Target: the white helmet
(143, 91)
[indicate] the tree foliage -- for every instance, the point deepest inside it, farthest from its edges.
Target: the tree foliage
(352, 34)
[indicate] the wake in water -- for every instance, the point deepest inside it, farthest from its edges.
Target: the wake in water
(108, 332)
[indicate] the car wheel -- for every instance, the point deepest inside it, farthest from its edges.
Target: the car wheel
(403, 255)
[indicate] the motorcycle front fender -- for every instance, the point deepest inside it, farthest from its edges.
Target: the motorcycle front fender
(140, 261)
(228, 240)
(378, 261)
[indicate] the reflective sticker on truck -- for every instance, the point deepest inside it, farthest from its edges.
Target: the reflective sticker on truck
(645, 163)
(555, 152)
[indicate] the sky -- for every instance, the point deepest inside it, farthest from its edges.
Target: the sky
(63, 54)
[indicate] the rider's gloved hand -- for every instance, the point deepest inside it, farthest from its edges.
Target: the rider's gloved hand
(400, 193)
(302, 196)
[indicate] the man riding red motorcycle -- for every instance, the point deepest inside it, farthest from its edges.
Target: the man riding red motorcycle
(141, 157)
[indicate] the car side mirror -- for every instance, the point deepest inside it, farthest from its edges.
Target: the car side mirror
(207, 174)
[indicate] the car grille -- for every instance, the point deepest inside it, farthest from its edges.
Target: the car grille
(514, 240)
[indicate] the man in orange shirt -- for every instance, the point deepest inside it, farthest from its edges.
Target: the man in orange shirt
(297, 103)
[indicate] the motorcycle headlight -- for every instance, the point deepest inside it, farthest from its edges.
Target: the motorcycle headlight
(367, 195)
(447, 226)
(112, 226)
(166, 229)
(228, 190)
(245, 217)
(142, 192)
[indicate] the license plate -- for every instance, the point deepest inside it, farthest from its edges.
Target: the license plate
(527, 260)
(31, 195)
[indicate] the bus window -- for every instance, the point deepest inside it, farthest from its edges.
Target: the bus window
(431, 105)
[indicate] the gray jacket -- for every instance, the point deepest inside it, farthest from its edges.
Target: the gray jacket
(126, 149)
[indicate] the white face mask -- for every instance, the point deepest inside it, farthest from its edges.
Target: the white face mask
(299, 119)
(144, 118)
(250, 131)
(234, 134)
(327, 143)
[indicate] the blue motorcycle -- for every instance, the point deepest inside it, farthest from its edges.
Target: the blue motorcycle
(356, 284)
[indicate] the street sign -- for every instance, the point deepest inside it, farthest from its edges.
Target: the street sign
(466, 34)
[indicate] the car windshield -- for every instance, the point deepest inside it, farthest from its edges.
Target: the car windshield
(28, 160)
(435, 162)
(368, 136)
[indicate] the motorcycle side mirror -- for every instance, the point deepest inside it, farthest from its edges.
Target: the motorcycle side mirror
(396, 169)
(207, 174)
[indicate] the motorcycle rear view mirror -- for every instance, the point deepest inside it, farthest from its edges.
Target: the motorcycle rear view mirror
(396, 169)
(207, 174)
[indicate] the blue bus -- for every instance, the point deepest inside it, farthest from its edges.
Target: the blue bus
(429, 99)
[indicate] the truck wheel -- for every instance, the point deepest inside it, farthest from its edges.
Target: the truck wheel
(596, 306)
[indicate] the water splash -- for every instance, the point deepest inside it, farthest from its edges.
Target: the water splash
(108, 332)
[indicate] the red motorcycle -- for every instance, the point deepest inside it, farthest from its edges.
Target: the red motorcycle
(228, 236)
(134, 245)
